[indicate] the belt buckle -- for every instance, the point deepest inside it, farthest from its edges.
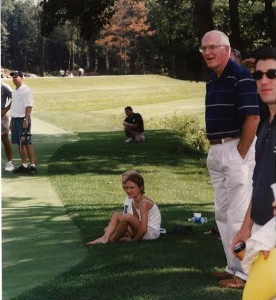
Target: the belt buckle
(216, 142)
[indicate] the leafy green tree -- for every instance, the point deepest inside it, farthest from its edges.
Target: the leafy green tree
(177, 36)
(21, 27)
(89, 15)
(7, 7)
(72, 27)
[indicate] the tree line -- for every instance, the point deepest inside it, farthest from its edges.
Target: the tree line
(127, 36)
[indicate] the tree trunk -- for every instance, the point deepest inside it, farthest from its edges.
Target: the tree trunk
(203, 16)
(41, 48)
(235, 38)
(270, 20)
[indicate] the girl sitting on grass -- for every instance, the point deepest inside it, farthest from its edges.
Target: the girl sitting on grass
(141, 218)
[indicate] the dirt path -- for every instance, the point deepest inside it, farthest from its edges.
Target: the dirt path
(39, 240)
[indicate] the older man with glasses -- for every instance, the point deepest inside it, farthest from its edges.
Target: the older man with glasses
(232, 118)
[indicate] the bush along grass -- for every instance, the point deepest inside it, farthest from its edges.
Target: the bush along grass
(190, 128)
(87, 177)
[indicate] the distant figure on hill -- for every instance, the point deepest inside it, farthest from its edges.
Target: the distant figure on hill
(81, 72)
(133, 126)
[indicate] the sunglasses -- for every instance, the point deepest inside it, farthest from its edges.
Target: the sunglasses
(271, 74)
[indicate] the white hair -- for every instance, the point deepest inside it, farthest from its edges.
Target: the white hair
(224, 39)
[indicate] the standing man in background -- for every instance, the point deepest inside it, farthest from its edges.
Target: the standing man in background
(21, 108)
(232, 118)
(6, 94)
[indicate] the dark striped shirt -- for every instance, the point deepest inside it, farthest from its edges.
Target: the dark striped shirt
(264, 174)
(228, 99)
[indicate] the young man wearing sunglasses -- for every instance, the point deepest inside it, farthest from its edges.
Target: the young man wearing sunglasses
(260, 210)
(232, 118)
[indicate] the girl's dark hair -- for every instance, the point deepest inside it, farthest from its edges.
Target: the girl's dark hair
(265, 53)
(137, 179)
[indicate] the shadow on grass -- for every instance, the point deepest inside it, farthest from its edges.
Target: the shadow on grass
(36, 238)
(45, 146)
(176, 266)
(104, 153)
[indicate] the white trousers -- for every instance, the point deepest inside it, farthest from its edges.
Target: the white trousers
(231, 177)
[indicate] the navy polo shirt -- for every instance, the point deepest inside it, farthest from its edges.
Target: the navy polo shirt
(264, 174)
(229, 98)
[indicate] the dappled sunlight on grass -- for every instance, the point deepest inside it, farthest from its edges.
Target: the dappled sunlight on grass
(86, 174)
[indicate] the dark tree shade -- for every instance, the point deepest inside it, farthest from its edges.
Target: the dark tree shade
(89, 14)
(270, 14)
(235, 37)
(203, 16)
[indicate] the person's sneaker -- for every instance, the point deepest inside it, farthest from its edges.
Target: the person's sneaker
(128, 140)
(222, 275)
(32, 170)
(21, 170)
(9, 166)
(234, 283)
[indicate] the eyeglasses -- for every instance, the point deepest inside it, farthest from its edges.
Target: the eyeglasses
(210, 48)
(258, 75)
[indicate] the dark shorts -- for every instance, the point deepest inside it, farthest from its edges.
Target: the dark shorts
(17, 131)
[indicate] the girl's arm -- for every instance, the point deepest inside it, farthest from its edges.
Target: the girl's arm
(145, 206)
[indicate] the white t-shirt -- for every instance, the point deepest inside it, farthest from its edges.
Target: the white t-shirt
(128, 206)
(21, 98)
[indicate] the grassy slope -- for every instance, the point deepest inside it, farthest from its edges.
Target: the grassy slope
(97, 103)
(86, 174)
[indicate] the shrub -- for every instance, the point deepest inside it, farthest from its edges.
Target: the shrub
(191, 129)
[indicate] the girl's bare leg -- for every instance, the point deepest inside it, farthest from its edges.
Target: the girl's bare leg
(126, 221)
(110, 229)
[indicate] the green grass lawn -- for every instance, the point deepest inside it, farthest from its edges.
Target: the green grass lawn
(87, 176)
(97, 103)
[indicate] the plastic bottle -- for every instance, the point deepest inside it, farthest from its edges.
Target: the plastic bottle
(201, 220)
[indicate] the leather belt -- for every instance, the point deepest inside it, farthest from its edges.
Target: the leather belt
(222, 141)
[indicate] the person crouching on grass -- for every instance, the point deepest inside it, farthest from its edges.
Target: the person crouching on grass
(141, 220)
(133, 126)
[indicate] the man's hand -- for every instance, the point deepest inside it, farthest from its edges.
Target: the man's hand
(242, 236)
(265, 253)
(25, 124)
(274, 205)
(4, 111)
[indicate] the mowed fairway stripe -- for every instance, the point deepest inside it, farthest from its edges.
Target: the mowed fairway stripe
(39, 240)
